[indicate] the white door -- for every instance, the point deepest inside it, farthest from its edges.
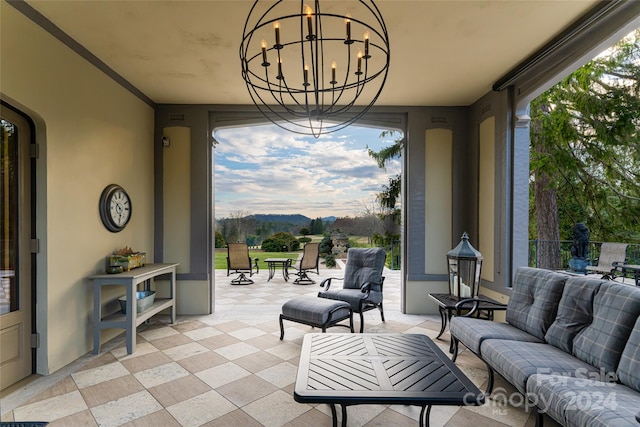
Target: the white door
(15, 254)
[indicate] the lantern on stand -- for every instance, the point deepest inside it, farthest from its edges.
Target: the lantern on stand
(465, 267)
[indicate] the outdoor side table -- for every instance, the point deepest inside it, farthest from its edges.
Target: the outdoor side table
(380, 369)
(630, 268)
(132, 319)
(283, 263)
(447, 306)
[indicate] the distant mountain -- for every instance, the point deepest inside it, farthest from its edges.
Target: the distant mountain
(291, 219)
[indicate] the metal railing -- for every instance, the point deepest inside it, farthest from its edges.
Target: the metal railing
(557, 254)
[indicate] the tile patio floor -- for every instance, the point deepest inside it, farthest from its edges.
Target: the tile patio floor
(231, 369)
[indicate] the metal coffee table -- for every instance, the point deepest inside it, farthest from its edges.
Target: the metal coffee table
(387, 369)
(284, 263)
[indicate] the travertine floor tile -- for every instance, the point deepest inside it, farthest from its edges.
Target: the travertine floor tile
(51, 409)
(176, 391)
(222, 374)
(125, 409)
(107, 391)
(246, 390)
(275, 409)
(201, 409)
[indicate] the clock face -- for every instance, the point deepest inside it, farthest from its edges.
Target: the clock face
(115, 208)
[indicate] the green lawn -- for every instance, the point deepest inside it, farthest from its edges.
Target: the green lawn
(221, 257)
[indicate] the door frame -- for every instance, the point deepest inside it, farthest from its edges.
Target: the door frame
(28, 207)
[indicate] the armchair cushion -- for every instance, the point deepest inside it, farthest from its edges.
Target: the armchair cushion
(363, 265)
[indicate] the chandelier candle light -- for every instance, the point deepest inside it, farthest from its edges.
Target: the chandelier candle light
(324, 80)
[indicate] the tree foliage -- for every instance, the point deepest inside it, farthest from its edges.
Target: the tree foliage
(388, 197)
(219, 240)
(281, 241)
(585, 150)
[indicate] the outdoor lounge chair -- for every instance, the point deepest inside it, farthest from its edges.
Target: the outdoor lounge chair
(308, 263)
(239, 261)
(362, 287)
(611, 254)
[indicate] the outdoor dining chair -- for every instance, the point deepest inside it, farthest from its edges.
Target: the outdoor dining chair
(611, 254)
(308, 263)
(239, 261)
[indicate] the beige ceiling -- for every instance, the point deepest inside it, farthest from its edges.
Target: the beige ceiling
(443, 52)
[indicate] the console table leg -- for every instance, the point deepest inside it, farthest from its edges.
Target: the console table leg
(97, 317)
(424, 415)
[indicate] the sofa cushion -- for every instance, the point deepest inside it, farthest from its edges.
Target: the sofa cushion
(629, 367)
(534, 300)
(517, 361)
(575, 312)
(471, 332)
(615, 309)
(580, 402)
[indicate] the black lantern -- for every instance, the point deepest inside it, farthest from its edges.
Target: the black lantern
(465, 267)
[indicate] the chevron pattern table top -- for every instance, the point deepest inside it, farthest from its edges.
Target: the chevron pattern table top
(404, 369)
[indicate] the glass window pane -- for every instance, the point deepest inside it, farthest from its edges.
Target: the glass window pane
(9, 217)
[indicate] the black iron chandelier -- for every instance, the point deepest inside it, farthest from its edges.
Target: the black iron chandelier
(314, 71)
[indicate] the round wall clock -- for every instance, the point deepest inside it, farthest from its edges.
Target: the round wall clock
(115, 208)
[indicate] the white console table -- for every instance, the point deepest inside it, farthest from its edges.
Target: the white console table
(129, 322)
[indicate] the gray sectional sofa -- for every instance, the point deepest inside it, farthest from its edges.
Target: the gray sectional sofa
(571, 346)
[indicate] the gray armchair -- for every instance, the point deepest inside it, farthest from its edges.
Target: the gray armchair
(363, 280)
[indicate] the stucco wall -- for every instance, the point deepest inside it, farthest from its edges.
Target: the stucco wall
(91, 132)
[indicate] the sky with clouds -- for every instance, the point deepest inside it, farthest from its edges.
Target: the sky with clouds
(268, 170)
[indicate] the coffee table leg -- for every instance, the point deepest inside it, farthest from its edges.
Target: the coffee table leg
(424, 417)
(334, 415)
(344, 415)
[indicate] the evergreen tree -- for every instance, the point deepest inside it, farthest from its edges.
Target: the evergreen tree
(585, 151)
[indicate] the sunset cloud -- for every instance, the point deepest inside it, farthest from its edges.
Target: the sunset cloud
(267, 170)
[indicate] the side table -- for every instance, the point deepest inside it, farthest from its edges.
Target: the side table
(483, 307)
(631, 269)
(130, 320)
(272, 263)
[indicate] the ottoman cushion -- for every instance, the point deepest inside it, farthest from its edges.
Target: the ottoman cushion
(314, 310)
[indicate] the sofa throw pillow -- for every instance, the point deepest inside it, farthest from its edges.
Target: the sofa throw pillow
(629, 367)
(616, 307)
(534, 300)
(575, 312)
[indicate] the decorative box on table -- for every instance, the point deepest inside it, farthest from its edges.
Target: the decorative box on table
(129, 261)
